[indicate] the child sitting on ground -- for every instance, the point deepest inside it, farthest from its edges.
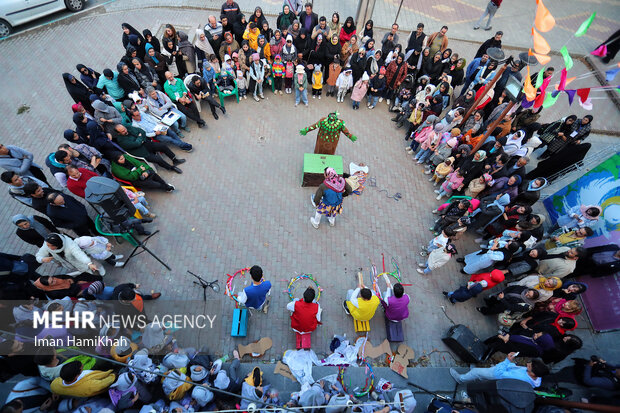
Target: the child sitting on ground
(344, 83)
(454, 182)
(334, 72)
(242, 85)
(317, 81)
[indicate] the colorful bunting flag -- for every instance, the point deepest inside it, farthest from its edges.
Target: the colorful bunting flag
(562, 84)
(600, 51)
(611, 74)
(540, 44)
(525, 104)
(539, 78)
(541, 93)
(568, 61)
(542, 59)
(550, 100)
(544, 20)
(571, 95)
(585, 26)
(529, 90)
(587, 105)
(583, 94)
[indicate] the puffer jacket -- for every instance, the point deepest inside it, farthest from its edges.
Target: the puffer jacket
(69, 256)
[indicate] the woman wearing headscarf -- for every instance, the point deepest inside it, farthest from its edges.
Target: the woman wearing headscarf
(349, 49)
(368, 31)
(570, 290)
(529, 193)
(79, 93)
(138, 44)
(59, 286)
(564, 346)
(578, 217)
(130, 53)
(189, 54)
(257, 17)
(472, 167)
(174, 58)
(128, 30)
(580, 131)
(491, 207)
(514, 144)
(372, 63)
(202, 48)
(303, 43)
(516, 299)
(446, 61)
(457, 71)
(33, 229)
(145, 74)
(317, 52)
(335, 25)
(154, 41)
(505, 185)
(295, 29)
(522, 263)
(527, 344)
(369, 45)
(432, 68)
(127, 78)
(556, 133)
(395, 74)
(285, 19)
(329, 196)
(544, 285)
(88, 76)
(569, 157)
(277, 43)
(347, 31)
(157, 61)
(332, 49)
(62, 249)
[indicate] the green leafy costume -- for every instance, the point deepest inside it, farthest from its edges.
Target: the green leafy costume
(329, 133)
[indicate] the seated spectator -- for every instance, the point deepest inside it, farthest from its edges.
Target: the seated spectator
(574, 238)
(544, 285)
(138, 173)
(63, 285)
(66, 252)
(20, 161)
(477, 283)
(74, 381)
(579, 217)
(202, 92)
(154, 129)
(66, 212)
(396, 303)
(175, 89)
(507, 369)
(516, 299)
(255, 295)
(598, 373)
(561, 261)
(99, 248)
(225, 83)
(109, 83)
(84, 156)
(527, 344)
(77, 180)
(17, 184)
(136, 143)
(33, 229)
(106, 116)
(159, 104)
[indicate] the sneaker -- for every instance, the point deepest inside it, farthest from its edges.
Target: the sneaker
(460, 259)
(380, 100)
(478, 240)
(420, 270)
(371, 107)
(170, 188)
(151, 215)
(319, 97)
(119, 264)
(266, 306)
(456, 376)
(435, 211)
(436, 191)
(313, 96)
(262, 96)
(256, 98)
(428, 172)
(422, 265)
(188, 149)
(488, 28)
(429, 179)
(332, 223)
(245, 96)
(119, 256)
(177, 169)
(438, 197)
(306, 104)
(186, 129)
(296, 104)
(476, 27)
(346, 308)
(423, 253)
(408, 149)
(280, 92)
(314, 223)
(388, 102)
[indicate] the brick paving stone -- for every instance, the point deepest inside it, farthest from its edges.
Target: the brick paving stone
(239, 201)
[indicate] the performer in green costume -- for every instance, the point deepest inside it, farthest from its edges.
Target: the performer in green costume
(329, 133)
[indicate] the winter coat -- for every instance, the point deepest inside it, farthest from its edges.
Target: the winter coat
(437, 258)
(127, 174)
(72, 215)
(69, 256)
(334, 72)
(344, 81)
(492, 278)
(359, 90)
(390, 73)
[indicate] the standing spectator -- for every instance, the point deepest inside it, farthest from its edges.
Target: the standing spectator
(20, 161)
(67, 253)
(308, 20)
(394, 32)
(231, 10)
(255, 295)
(395, 74)
(416, 42)
(66, 212)
(438, 41)
(347, 31)
(33, 229)
(285, 19)
(213, 31)
(300, 83)
(490, 11)
(295, 6)
(376, 88)
(495, 41)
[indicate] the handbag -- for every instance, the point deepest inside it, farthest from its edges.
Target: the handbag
(507, 319)
(19, 268)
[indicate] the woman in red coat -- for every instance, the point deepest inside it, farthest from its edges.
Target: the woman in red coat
(347, 30)
(394, 76)
(477, 283)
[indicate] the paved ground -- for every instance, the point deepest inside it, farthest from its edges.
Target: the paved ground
(240, 203)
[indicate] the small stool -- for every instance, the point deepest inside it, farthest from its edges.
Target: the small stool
(303, 341)
(361, 326)
(239, 323)
(394, 330)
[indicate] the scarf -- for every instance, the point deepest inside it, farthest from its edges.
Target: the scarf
(34, 224)
(530, 186)
(483, 156)
(202, 44)
(286, 19)
(61, 284)
(334, 181)
(348, 29)
(541, 284)
(147, 47)
(525, 299)
(561, 329)
(584, 211)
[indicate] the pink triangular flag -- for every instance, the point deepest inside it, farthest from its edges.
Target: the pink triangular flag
(600, 51)
(562, 84)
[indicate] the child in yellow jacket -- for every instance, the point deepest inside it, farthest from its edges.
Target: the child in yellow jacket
(442, 170)
(317, 81)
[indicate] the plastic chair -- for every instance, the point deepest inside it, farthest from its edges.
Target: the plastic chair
(128, 236)
(234, 92)
(455, 197)
(134, 190)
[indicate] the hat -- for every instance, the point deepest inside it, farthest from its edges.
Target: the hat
(202, 395)
(124, 382)
(235, 54)
(299, 69)
(226, 57)
(289, 38)
(365, 76)
(382, 71)
(175, 360)
(255, 56)
(239, 73)
(123, 346)
(222, 380)
(197, 372)
(497, 276)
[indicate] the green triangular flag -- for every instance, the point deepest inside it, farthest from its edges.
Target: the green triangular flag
(550, 100)
(568, 61)
(585, 26)
(539, 78)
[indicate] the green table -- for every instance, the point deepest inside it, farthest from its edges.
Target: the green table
(314, 167)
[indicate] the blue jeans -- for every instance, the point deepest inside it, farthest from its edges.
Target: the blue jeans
(356, 105)
(182, 120)
(423, 155)
(303, 94)
(443, 192)
(141, 205)
(372, 100)
(478, 374)
(431, 246)
(106, 294)
(172, 138)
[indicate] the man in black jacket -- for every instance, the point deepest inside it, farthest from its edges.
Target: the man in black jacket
(495, 41)
(66, 212)
(308, 19)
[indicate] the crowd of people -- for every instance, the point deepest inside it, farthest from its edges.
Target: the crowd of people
(129, 117)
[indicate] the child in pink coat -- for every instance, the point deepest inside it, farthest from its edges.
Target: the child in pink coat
(359, 91)
(429, 140)
(453, 182)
